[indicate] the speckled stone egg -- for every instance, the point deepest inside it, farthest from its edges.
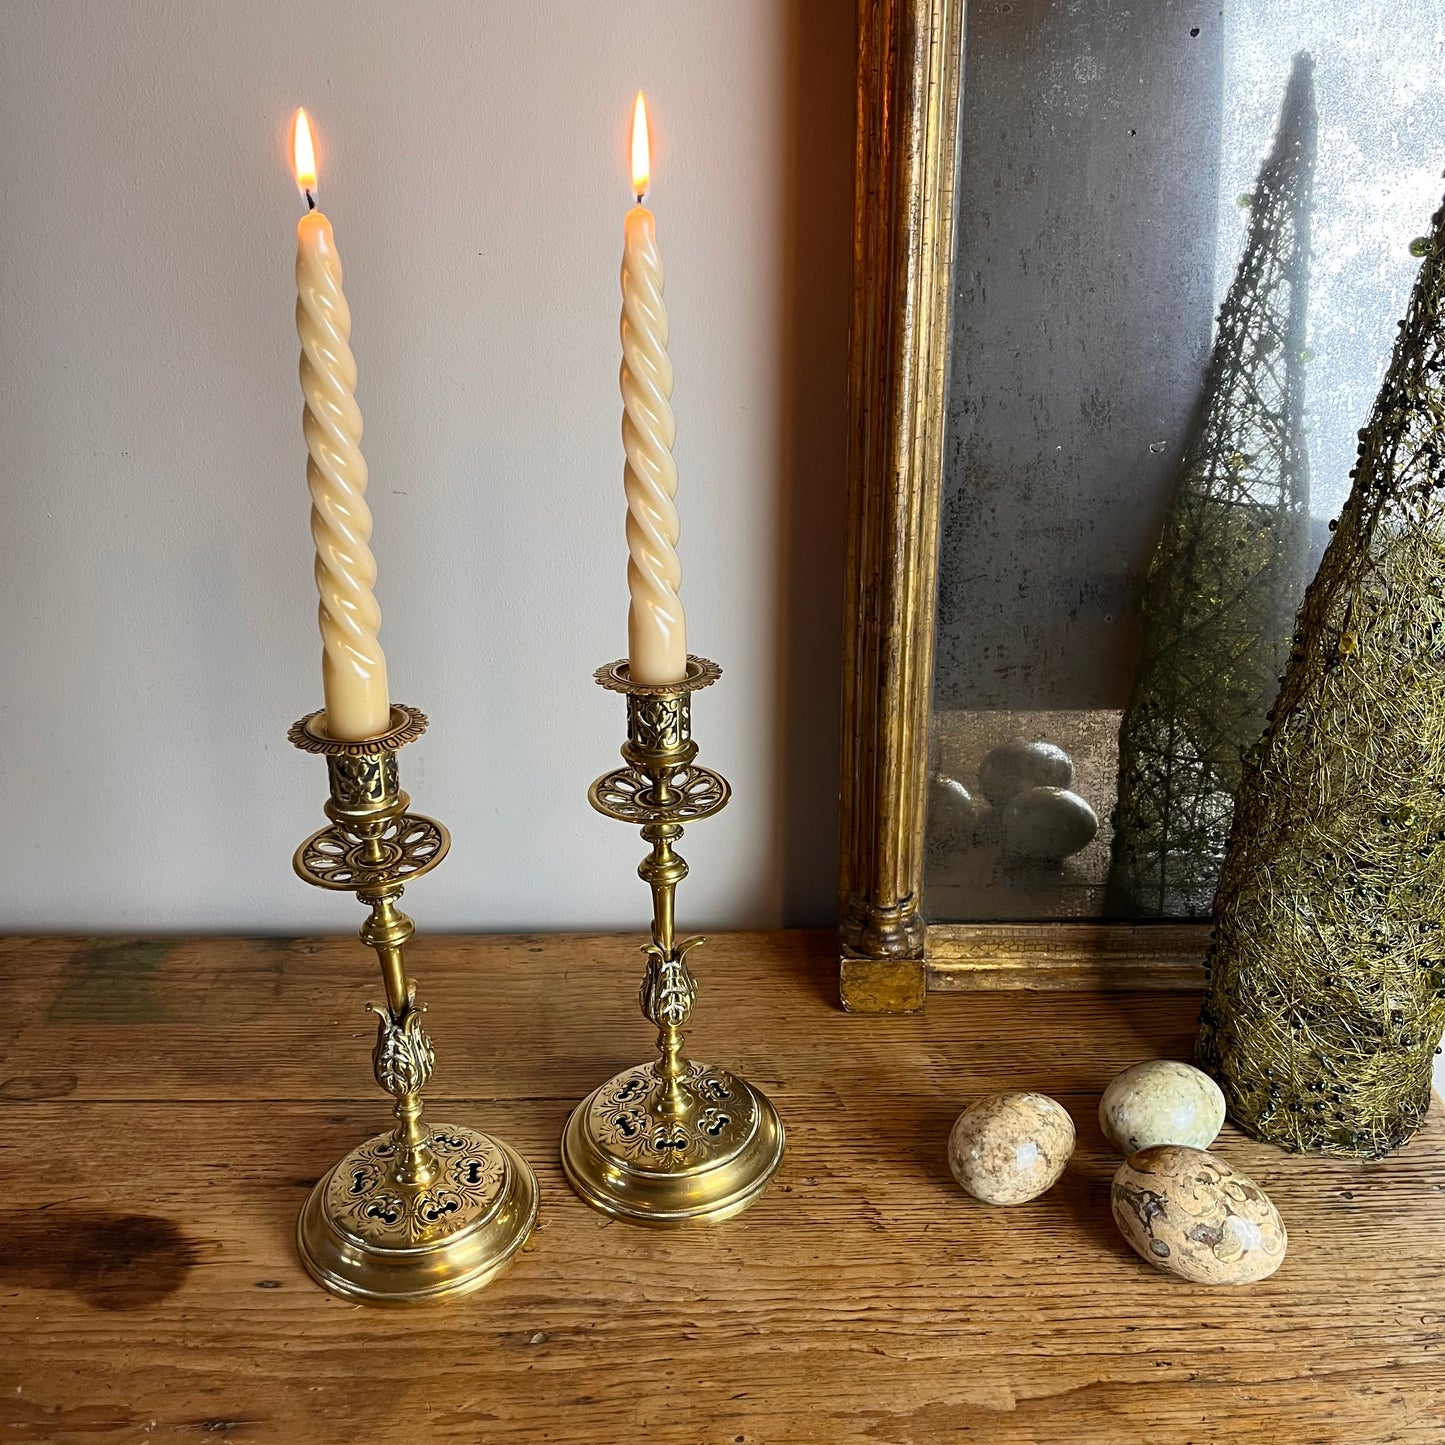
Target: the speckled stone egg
(1047, 824)
(1161, 1101)
(1194, 1215)
(1015, 765)
(1010, 1148)
(953, 816)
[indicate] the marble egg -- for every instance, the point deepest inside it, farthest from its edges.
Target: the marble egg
(1047, 824)
(1161, 1101)
(1015, 765)
(1192, 1214)
(953, 816)
(1010, 1148)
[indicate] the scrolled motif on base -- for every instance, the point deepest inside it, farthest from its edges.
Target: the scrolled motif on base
(627, 1153)
(365, 1200)
(625, 1119)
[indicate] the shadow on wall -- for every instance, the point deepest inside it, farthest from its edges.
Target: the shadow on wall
(813, 396)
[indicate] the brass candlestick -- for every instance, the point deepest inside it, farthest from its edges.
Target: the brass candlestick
(668, 1141)
(425, 1211)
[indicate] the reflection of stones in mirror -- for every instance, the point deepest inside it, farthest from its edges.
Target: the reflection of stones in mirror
(1015, 765)
(955, 818)
(1047, 825)
(1037, 823)
(969, 874)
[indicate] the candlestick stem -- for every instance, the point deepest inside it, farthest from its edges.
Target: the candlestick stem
(387, 931)
(669, 989)
(403, 1057)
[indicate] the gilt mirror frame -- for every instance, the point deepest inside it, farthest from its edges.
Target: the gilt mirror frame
(909, 74)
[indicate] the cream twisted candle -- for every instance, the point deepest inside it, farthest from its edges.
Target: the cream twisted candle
(656, 628)
(353, 668)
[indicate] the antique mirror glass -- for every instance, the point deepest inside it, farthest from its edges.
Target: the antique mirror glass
(1183, 241)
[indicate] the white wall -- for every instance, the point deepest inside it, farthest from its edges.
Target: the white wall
(157, 630)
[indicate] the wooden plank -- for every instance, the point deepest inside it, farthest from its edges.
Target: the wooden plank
(286, 1018)
(151, 1293)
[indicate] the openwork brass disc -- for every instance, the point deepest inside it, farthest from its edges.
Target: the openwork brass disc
(410, 845)
(367, 1239)
(624, 1157)
(629, 796)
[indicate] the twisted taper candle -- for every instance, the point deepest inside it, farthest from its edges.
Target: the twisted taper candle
(353, 668)
(656, 628)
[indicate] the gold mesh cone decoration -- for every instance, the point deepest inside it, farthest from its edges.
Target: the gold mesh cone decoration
(1326, 994)
(1220, 598)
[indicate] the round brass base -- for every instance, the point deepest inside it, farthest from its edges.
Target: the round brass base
(373, 1241)
(628, 1159)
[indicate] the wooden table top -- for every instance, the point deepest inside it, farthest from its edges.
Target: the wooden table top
(167, 1105)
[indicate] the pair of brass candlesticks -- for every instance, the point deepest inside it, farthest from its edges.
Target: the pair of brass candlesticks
(429, 1211)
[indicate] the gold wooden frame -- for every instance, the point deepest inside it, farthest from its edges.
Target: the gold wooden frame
(910, 68)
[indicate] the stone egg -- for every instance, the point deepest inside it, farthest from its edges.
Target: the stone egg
(1010, 1148)
(1015, 765)
(1161, 1101)
(1193, 1215)
(1047, 825)
(953, 816)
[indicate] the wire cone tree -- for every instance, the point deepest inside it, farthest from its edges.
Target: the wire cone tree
(1222, 590)
(1326, 993)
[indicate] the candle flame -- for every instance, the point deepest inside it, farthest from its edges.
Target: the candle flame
(641, 160)
(303, 152)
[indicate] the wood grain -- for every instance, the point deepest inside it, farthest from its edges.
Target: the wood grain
(166, 1104)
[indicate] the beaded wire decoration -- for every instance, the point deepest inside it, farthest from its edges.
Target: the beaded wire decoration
(1225, 583)
(1326, 991)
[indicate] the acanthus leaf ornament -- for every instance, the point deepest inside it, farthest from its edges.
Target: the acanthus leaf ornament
(403, 1058)
(669, 990)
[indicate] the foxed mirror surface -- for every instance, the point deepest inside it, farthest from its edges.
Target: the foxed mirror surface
(1183, 243)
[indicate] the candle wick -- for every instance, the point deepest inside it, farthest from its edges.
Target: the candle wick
(310, 201)
(639, 198)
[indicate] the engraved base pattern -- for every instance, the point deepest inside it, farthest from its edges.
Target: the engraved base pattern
(623, 1120)
(363, 1199)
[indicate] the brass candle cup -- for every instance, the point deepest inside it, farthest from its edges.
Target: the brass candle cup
(425, 1211)
(669, 1141)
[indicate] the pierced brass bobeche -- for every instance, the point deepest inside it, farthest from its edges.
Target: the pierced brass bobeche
(672, 1140)
(428, 1210)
